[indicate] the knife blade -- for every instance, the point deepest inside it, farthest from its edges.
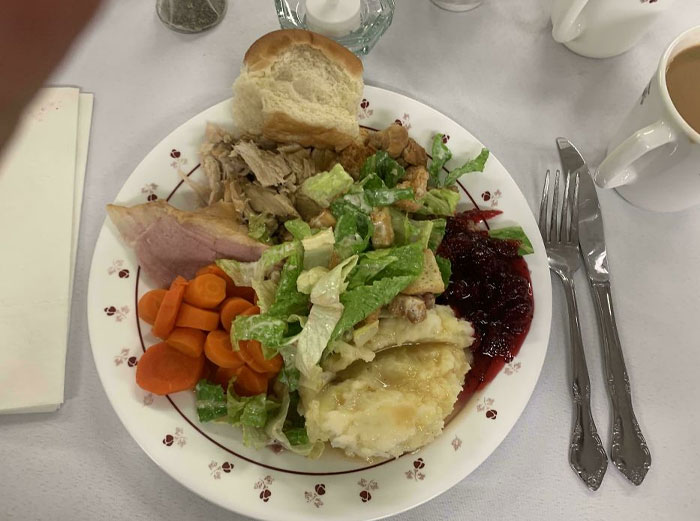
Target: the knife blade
(590, 219)
(629, 451)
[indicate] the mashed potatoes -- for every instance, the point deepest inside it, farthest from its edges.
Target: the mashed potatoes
(394, 404)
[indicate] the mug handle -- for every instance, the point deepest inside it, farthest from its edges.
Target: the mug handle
(611, 172)
(566, 28)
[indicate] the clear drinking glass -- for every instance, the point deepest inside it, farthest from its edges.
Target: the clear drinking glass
(376, 16)
(191, 16)
(457, 5)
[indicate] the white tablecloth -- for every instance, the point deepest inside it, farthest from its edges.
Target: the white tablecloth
(496, 71)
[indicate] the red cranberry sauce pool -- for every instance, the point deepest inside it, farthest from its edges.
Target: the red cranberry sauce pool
(490, 286)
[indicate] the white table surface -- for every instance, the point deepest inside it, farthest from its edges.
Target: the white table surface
(496, 71)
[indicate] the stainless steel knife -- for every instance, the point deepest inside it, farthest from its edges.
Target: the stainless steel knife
(629, 451)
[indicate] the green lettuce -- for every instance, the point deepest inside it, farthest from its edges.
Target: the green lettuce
(289, 300)
(262, 226)
(445, 267)
(353, 229)
(368, 266)
(409, 262)
(474, 165)
(318, 249)
(437, 232)
(323, 188)
(308, 279)
(439, 201)
(245, 273)
(360, 302)
(211, 402)
(440, 156)
(386, 168)
(251, 413)
(325, 313)
(388, 196)
(287, 427)
(514, 233)
(298, 228)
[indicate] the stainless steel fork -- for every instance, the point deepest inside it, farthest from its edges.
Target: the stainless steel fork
(560, 234)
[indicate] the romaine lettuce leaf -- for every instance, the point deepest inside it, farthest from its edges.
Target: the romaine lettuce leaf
(287, 428)
(439, 201)
(387, 196)
(318, 249)
(288, 300)
(323, 188)
(268, 330)
(353, 229)
(298, 228)
(474, 165)
(261, 226)
(445, 267)
(251, 413)
(325, 312)
(369, 265)
(211, 402)
(437, 232)
(289, 374)
(421, 233)
(514, 233)
(409, 262)
(308, 279)
(386, 168)
(360, 302)
(440, 156)
(245, 273)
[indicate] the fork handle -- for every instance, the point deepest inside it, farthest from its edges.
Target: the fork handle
(629, 451)
(586, 453)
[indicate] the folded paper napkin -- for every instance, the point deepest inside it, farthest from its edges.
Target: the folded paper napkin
(41, 190)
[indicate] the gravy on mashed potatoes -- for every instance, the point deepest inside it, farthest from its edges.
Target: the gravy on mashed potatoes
(392, 405)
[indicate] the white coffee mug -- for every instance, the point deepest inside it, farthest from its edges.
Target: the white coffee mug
(654, 159)
(603, 28)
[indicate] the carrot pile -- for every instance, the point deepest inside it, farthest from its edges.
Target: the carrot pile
(193, 318)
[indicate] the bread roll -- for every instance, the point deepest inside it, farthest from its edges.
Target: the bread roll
(299, 87)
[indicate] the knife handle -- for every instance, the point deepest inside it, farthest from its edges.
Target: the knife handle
(629, 451)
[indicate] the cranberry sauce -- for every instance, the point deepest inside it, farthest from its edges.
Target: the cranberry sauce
(490, 286)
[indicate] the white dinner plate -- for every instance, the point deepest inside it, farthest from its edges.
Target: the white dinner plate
(210, 459)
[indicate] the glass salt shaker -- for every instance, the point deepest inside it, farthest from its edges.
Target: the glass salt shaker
(191, 16)
(356, 24)
(457, 5)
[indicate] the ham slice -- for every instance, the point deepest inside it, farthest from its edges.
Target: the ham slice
(170, 242)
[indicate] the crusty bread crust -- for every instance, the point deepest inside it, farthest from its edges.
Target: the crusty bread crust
(265, 50)
(280, 127)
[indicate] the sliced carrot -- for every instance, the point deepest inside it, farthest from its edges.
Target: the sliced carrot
(206, 291)
(149, 305)
(169, 308)
(217, 348)
(250, 383)
(251, 352)
(164, 370)
(253, 310)
(231, 289)
(215, 270)
(233, 307)
(187, 340)
(242, 292)
(197, 318)
(223, 375)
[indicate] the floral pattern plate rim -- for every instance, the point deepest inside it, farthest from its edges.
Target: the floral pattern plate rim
(272, 484)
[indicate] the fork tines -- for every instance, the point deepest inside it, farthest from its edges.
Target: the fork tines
(562, 228)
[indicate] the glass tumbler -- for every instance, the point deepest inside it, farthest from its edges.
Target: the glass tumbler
(457, 5)
(191, 16)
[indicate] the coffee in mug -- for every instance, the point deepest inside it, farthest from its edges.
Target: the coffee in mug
(683, 83)
(654, 159)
